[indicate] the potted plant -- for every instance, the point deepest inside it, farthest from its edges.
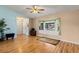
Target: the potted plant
(2, 28)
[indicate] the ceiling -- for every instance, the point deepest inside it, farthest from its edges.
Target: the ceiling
(49, 9)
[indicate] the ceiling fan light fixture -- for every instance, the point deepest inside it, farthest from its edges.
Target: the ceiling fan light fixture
(34, 12)
(35, 9)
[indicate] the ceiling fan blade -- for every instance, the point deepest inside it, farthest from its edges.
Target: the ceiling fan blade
(28, 8)
(41, 9)
(38, 12)
(31, 11)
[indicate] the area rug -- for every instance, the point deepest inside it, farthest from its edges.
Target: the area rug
(48, 40)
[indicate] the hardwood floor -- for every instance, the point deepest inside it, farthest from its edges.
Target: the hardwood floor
(24, 44)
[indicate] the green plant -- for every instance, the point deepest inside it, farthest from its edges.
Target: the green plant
(3, 27)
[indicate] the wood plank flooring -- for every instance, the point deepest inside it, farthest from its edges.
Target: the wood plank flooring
(24, 44)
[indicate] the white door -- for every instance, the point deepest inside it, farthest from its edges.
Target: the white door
(26, 26)
(19, 26)
(22, 26)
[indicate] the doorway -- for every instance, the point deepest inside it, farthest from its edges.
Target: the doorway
(22, 26)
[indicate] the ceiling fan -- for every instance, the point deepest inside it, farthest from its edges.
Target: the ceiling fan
(35, 9)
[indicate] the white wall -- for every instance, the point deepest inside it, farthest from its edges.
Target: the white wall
(69, 26)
